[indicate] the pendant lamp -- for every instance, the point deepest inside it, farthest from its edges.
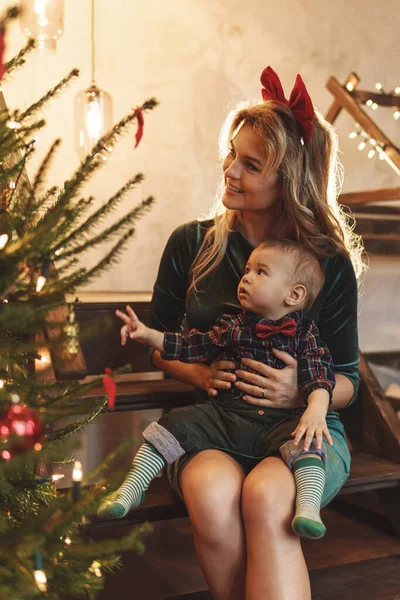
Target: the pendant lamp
(93, 109)
(43, 20)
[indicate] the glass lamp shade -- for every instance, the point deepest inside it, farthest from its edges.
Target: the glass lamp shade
(93, 118)
(43, 20)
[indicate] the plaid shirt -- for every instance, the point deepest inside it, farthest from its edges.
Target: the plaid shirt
(233, 337)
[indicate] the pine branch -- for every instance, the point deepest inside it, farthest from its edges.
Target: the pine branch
(19, 60)
(101, 213)
(66, 432)
(44, 167)
(106, 234)
(10, 14)
(50, 94)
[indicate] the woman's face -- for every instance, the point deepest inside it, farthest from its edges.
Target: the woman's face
(247, 188)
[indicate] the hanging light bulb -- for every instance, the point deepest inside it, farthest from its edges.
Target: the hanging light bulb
(93, 110)
(43, 20)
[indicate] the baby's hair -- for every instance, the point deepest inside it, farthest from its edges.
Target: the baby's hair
(307, 269)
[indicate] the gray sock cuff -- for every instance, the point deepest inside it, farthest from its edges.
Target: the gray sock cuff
(163, 441)
(290, 452)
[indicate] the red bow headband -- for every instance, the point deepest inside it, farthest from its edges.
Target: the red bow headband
(299, 102)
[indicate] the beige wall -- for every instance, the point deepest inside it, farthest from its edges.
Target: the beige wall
(199, 58)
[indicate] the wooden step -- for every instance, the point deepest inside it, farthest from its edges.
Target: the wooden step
(367, 473)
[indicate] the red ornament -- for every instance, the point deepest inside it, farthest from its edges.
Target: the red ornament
(110, 387)
(21, 429)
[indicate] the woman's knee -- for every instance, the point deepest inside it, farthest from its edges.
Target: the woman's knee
(268, 495)
(211, 484)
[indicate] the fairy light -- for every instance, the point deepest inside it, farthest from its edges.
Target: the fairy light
(378, 86)
(95, 568)
(371, 153)
(350, 86)
(362, 145)
(41, 580)
(41, 280)
(12, 124)
(6, 455)
(1, 384)
(353, 135)
(3, 240)
(67, 541)
(369, 102)
(396, 115)
(39, 574)
(374, 106)
(397, 90)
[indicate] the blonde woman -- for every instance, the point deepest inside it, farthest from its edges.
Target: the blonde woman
(279, 175)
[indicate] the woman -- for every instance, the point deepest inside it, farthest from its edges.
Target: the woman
(278, 181)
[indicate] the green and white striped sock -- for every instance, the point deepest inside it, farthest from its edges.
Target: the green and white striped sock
(309, 475)
(147, 463)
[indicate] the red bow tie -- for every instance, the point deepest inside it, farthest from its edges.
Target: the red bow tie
(288, 328)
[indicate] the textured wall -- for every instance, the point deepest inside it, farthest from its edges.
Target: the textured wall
(199, 58)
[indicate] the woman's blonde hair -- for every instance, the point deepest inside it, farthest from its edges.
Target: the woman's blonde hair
(310, 177)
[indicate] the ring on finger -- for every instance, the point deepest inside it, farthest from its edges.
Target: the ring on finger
(262, 392)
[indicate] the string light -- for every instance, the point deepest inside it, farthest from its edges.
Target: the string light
(1, 384)
(3, 240)
(374, 106)
(68, 541)
(378, 86)
(396, 115)
(12, 124)
(362, 145)
(41, 280)
(95, 568)
(350, 86)
(371, 153)
(39, 574)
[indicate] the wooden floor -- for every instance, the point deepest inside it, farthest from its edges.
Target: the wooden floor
(358, 559)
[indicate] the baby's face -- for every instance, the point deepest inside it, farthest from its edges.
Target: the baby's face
(266, 283)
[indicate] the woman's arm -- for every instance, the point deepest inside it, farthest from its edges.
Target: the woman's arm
(342, 393)
(198, 375)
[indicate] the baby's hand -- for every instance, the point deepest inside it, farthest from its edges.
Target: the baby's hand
(133, 328)
(312, 423)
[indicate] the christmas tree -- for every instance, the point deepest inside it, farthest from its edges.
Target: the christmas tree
(43, 234)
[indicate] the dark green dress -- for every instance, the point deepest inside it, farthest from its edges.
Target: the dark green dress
(334, 311)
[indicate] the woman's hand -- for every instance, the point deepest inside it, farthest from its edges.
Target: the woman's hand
(218, 378)
(275, 388)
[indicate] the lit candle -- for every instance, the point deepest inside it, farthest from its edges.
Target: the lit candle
(76, 478)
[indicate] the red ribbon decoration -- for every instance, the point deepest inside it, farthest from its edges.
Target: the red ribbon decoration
(139, 132)
(299, 102)
(2, 48)
(288, 328)
(110, 387)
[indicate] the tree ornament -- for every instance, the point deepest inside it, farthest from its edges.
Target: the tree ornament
(110, 387)
(21, 429)
(71, 330)
(139, 132)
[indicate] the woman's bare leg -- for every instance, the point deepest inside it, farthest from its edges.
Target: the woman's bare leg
(276, 569)
(211, 484)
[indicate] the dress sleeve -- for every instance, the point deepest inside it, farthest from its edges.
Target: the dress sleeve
(337, 321)
(168, 303)
(315, 365)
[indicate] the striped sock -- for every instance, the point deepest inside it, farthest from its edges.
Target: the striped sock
(147, 463)
(309, 475)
